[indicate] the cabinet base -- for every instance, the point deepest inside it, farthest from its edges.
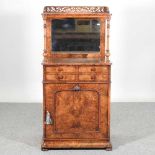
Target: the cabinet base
(75, 144)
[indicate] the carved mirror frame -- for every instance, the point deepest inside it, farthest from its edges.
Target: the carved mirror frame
(60, 12)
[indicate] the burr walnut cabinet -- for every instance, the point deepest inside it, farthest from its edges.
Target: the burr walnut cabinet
(76, 77)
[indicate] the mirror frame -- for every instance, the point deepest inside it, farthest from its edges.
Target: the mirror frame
(57, 12)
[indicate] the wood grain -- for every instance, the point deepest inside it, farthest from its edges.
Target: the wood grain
(76, 88)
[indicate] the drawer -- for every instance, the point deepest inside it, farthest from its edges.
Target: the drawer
(99, 69)
(59, 77)
(56, 69)
(93, 77)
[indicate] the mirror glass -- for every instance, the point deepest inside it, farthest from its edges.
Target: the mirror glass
(75, 35)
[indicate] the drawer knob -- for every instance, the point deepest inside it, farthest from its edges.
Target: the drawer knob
(60, 69)
(93, 77)
(93, 69)
(105, 68)
(60, 77)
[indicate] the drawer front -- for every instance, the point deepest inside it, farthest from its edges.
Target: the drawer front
(93, 77)
(60, 77)
(99, 69)
(56, 69)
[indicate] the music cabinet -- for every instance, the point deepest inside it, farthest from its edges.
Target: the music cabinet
(76, 77)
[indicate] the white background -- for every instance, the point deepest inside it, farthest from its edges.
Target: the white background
(132, 48)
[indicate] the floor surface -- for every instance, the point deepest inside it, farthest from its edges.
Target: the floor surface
(132, 130)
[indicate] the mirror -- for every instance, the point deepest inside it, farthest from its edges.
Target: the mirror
(75, 35)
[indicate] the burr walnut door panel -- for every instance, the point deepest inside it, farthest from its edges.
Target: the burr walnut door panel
(73, 109)
(78, 111)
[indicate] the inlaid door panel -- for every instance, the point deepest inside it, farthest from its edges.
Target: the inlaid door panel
(78, 111)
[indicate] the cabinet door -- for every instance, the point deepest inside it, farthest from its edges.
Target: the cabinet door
(77, 111)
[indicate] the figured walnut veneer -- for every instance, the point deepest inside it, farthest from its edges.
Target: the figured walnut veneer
(76, 87)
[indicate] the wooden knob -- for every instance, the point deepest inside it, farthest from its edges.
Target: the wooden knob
(105, 68)
(60, 77)
(93, 69)
(60, 69)
(93, 77)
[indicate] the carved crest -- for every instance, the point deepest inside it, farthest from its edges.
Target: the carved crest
(76, 9)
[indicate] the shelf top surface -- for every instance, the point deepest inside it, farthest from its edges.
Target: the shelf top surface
(75, 61)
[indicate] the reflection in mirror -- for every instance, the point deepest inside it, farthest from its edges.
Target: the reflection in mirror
(75, 35)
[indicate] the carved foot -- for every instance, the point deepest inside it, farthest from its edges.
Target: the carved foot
(109, 149)
(44, 149)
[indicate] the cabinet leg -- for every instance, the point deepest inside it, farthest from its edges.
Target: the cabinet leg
(44, 149)
(109, 149)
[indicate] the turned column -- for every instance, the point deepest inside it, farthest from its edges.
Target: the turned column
(107, 51)
(47, 39)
